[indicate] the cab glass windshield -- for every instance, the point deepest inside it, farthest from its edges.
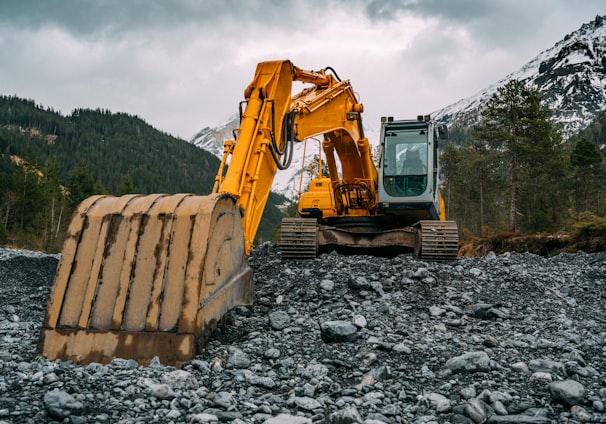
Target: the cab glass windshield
(405, 161)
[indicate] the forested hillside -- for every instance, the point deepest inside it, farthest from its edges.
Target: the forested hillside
(596, 131)
(50, 162)
(517, 173)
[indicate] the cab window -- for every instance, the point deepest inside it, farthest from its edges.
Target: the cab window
(405, 161)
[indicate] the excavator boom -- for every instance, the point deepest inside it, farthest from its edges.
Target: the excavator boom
(144, 276)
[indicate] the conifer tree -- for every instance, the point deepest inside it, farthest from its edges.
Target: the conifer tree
(517, 127)
(81, 184)
(125, 186)
(588, 175)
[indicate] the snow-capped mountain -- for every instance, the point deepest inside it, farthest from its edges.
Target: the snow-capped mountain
(570, 77)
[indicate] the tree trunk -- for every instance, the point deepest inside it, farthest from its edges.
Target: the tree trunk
(481, 204)
(513, 193)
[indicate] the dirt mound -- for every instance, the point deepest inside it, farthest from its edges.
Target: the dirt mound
(539, 244)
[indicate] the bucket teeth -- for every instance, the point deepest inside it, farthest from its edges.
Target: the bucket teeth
(144, 276)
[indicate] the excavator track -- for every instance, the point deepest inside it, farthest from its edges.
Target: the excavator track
(437, 241)
(299, 238)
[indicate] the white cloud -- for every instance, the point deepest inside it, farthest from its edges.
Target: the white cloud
(183, 65)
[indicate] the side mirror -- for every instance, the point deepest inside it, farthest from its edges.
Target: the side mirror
(443, 132)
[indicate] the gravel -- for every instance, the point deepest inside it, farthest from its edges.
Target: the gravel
(514, 338)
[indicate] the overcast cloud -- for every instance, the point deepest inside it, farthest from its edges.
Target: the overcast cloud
(182, 65)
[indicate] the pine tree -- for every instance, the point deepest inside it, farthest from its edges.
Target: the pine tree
(81, 185)
(588, 174)
(55, 204)
(517, 127)
(126, 185)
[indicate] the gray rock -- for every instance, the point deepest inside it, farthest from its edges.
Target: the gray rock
(307, 403)
(315, 370)
(327, 285)
(239, 359)
(348, 415)
(518, 419)
(374, 376)
(468, 392)
(436, 311)
(224, 400)
(265, 382)
(360, 321)
(180, 380)
(545, 365)
(203, 418)
(469, 363)
(288, 419)
(50, 378)
(60, 404)
(279, 320)
(338, 331)
(439, 402)
(499, 407)
(478, 410)
(161, 391)
(402, 348)
(272, 353)
(567, 392)
(393, 372)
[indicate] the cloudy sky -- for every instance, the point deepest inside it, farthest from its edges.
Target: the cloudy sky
(182, 65)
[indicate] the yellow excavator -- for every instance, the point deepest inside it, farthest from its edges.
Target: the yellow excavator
(144, 276)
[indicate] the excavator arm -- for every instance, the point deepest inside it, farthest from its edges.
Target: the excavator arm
(150, 276)
(274, 119)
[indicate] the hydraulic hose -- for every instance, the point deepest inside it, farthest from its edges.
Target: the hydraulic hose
(329, 68)
(283, 158)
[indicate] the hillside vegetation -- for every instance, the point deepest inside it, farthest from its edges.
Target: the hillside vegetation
(516, 173)
(50, 162)
(511, 174)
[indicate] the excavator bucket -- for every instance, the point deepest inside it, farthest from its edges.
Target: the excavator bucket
(144, 276)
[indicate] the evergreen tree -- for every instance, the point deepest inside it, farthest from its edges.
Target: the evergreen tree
(473, 175)
(81, 185)
(126, 185)
(55, 209)
(517, 127)
(588, 175)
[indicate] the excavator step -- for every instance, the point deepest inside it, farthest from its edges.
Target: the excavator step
(439, 241)
(145, 276)
(299, 238)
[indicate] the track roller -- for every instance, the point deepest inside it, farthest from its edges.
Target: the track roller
(299, 238)
(437, 240)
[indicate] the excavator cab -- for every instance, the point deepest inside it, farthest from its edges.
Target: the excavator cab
(408, 170)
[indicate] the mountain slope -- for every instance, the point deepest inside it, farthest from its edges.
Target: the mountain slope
(570, 77)
(110, 145)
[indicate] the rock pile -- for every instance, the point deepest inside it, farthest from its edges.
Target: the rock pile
(515, 338)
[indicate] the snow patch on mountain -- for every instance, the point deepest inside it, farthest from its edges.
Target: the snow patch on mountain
(570, 77)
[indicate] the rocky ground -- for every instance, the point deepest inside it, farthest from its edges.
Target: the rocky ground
(514, 338)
